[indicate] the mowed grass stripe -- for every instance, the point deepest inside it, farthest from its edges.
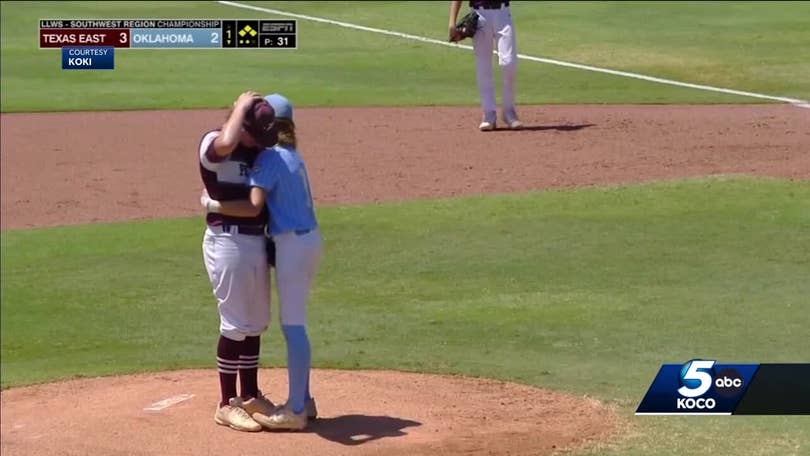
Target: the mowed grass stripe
(586, 291)
(337, 67)
(552, 276)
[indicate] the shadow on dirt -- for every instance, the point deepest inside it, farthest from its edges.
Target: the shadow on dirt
(359, 429)
(574, 127)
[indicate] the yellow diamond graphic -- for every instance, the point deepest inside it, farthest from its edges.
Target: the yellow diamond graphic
(247, 29)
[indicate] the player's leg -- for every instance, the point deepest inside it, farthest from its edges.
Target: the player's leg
(254, 286)
(297, 262)
(220, 255)
(228, 348)
(507, 60)
(241, 286)
(482, 45)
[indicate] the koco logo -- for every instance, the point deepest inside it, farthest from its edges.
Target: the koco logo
(697, 377)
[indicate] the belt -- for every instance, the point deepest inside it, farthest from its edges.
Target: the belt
(250, 230)
(493, 5)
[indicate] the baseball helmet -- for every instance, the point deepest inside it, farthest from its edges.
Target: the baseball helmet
(281, 105)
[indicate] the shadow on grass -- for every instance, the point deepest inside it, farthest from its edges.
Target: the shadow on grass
(359, 429)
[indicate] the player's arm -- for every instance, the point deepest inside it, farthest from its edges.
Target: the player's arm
(237, 208)
(258, 196)
(261, 176)
(455, 6)
(227, 141)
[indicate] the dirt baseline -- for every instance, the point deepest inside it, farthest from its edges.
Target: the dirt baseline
(86, 167)
(360, 412)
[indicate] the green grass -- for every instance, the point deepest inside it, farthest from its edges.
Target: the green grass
(750, 46)
(586, 291)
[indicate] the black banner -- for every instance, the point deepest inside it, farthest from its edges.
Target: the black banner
(777, 389)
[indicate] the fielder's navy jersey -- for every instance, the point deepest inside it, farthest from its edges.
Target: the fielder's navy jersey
(226, 178)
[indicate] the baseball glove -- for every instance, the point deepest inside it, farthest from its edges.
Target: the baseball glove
(466, 27)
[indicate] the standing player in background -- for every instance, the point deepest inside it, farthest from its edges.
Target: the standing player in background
(494, 22)
(279, 180)
(234, 254)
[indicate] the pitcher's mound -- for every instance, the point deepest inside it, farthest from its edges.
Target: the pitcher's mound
(361, 412)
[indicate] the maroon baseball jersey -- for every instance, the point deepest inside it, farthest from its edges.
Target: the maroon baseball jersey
(226, 178)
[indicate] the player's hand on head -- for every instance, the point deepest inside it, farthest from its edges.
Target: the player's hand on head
(246, 100)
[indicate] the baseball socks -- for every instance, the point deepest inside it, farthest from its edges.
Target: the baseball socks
(249, 367)
(228, 365)
(298, 366)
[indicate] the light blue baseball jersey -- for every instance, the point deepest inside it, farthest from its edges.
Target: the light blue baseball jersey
(280, 171)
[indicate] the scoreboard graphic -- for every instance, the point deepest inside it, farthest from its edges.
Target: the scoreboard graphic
(169, 33)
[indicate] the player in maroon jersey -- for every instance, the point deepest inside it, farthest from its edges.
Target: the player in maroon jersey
(235, 259)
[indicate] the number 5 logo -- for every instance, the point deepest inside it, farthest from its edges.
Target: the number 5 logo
(695, 378)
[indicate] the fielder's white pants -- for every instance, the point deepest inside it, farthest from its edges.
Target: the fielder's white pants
(237, 268)
(495, 24)
(297, 260)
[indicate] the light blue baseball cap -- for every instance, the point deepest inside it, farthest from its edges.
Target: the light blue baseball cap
(281, 106)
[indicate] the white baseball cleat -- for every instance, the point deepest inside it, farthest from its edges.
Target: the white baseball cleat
(259, 408)
(285, 419)
(236, 418)
(511, 119)
(514, 124)
(488, 124)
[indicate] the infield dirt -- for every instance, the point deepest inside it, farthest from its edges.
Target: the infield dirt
(89, 167)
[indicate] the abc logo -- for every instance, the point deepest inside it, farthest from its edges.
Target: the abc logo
(728, 382)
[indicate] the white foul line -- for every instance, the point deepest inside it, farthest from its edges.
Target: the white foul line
(793, 101)
(168, 402)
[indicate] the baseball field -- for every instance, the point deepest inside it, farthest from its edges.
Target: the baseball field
(510, 292)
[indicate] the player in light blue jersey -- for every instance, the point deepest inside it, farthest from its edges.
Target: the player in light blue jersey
(279, 180)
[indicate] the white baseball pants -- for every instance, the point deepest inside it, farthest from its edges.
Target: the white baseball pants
(237, 268)
(495, 24)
